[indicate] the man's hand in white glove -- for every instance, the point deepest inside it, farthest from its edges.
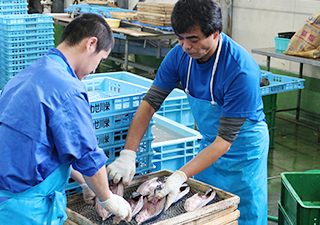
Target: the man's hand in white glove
(88, 194)
(123, 167)
(119, 207)
(172, 187)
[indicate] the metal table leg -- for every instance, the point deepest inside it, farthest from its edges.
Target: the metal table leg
(126, 54)
(299, 93)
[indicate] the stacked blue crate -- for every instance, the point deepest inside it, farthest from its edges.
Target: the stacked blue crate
(100, 10)
(23, 40)
(113, 105)
(13, 7)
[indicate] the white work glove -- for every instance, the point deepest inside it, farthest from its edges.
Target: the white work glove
(123, 167)
(172, 187)
(88, 194)
(119, 207)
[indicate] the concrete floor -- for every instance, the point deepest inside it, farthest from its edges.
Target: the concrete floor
(296, 149)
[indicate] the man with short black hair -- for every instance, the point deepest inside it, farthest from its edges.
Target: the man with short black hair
(222, 82)
(46, 126)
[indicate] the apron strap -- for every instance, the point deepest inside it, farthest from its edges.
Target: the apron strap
(214, 68)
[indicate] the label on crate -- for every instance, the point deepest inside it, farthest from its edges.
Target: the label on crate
(278, 88)
(100, 107)
(101, 123)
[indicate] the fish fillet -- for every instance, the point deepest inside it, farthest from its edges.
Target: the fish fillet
(147, 187)
(198, 201)
(151, 209)
(115, 189)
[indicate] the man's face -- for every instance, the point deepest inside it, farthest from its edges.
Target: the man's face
(92, 62)
(197, 45)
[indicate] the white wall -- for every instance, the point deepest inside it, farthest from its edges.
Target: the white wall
(255, 23)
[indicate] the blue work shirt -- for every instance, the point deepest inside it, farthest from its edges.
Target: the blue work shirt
(236, 84)
(45, 121)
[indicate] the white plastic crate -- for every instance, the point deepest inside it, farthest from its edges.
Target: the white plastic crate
(175, 106)
(174, 144)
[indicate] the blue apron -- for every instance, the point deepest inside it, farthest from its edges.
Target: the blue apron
(243, 169)
(43, 204)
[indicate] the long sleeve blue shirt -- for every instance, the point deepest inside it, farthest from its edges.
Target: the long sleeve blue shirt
(45, 121)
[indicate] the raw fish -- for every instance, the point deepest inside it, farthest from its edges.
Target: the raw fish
(198, 201)
(115, 189)
(136, 203)
(149, 186)
(151, 209)
(184, 190)
(101, 211)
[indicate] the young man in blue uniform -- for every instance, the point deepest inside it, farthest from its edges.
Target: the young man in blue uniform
(222, 82)
(46, 126)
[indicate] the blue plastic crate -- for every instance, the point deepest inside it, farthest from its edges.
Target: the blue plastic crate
(174, 144)
(175, 106)
(27, 26)
(116, 136)
(12, 7)
(281, 43)
(28, 45)
(105, 11)
(14, 12)
(113, 121)
(10, 2)
(108, 95)
(23, 38)
(80, 8)
(26, 49)
(143, 160)
(23, 55)
(26, 19)
(11, 65)
(33, 32)
(280, 83)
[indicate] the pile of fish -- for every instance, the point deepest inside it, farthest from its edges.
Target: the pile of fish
(144, 210)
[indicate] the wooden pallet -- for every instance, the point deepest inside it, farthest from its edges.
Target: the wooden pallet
(223, 212)
(131, 16)
(158, 14)
(160, 8)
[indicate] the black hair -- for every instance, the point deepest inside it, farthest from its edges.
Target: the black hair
(88, 25)
(187, 14)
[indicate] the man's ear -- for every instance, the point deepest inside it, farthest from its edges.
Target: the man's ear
(216, 34)
(91, 44)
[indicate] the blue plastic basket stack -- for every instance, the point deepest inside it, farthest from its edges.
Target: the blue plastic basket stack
(23, 39)
(100, 10)
(13, 7)
(113, 105)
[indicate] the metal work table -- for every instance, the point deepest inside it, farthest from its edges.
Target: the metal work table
(272, 52)
(131, 38)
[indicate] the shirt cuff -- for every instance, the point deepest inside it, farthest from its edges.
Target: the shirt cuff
(91, 162)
